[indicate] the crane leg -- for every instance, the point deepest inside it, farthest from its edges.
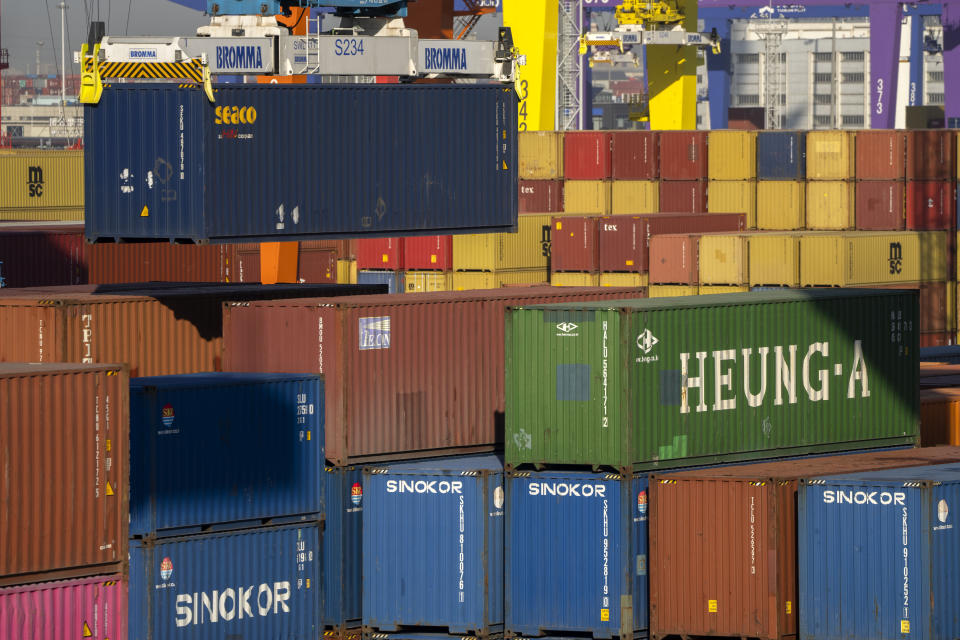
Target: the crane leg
(534, 24)
(672, 87)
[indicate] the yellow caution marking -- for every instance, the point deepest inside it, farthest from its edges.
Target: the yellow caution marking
(711, 606)
(145, 212)
(904, 626)
(86, 631)
(108, 445)
(109, 489)
(308, 583)
(433, 259)
(308, 436)
(504, 165)
(789, 607)
(604, 615)
(155, 70)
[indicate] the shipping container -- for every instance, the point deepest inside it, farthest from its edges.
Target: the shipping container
(648, 383)
(881, 155)
(461, 502)
(774, 259)
(43, 255)
(683, 196)
(683, 155)
(38, 182)
(93, 608)
(931, 154)
(342, 564)
(591, 526)
(940, 416)
(346, 271)
(64, 441)
(781, 155)
(831, 155)
(931, 205)
(380, 253)
(723, 543)
(781, 205)
(734, 196)
(721, 289)
(527, 248)
(732, 155)
(70, 214)
(830, 205)
(317, 260)
(871, 257)
(224, 451)
(393, 280)
(935, 304)
(437, 388)
(540, 196)
(428, 253)
(162, 261)
(574, 279)
(674, 259)
(724, 259)
(636, 155)
(671, 291)
(585, 197)
(587, 155)
(878, 555)
(624, 279)
(574, 244)
(880, 206)
(256, 583)
(540, 155)
(937, 338)
(427, 281)
(248, 185)
(470, 280)
(634, 196)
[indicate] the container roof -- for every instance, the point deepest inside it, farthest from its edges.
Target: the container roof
(12, 369)
(949, 472)
(484, 462)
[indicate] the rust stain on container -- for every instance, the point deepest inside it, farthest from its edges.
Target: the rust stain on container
(64, 434)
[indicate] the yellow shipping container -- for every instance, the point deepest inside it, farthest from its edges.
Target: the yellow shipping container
(724, 259)
(423, 281)
(573, 279)
(496, 251)
(40, 180)
(830, 155)
(733, 196)
(624, 279)
(830, 205)
(671, 291)
(512, 277)
(780, 205)
(47, 215)
(586, 197)
(933, 255)
(864, 258)
(346, 271)
(732, 155)
(711, 289)
(634, 197)
(467, 280)
(540, 155)
(774, 259)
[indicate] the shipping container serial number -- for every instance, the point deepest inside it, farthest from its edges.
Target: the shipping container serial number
(348, 47)
(524, 92)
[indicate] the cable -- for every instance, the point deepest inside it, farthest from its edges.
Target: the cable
(53, 41)
(126, 32)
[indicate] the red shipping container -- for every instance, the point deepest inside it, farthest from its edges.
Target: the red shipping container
(683, 196)
(66, 610)
(937, 339)
(160, 262)
(683, 155)
(931, 205)
(540, 196)
(380, 253)
(880, 205)
(64, 442)
(586, 155)
(406, 376)
(881, 155)
(636, 155)
(428, 253)
(624, 241)
(675, 259)
(574, 244)
(43, 255)
(931, 154)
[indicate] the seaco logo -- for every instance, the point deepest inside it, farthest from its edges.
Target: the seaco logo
(229, 604)
(239, 57)
(864, 497)
(235, 115)
(424, 486)
(567, 489)
(446, 58)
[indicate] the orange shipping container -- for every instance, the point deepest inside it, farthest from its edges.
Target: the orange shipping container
(940, 416)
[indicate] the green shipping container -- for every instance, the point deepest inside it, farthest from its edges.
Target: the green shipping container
(674, 382)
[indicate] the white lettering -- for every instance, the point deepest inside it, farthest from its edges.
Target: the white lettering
(884, 498)
(823, 393)
(690, 383)
(755, 400)
(564, 489)
(786, 375)
(424, 486)
(723, 379)
(859, 373)
(184, 614)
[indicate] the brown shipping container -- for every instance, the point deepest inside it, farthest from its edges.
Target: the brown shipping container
(41, 255)
(683, 155)
(723, 542)
(931, 205)
(64, 440)
(586, 155)
(409, 375)
(674, 259)
(160, 262)
(879, 205)
(881, 155)
(683, 196)
(937, 339)
(574, 244)
(636, 155)
(540, 196)
(931, 154)
(934, 303)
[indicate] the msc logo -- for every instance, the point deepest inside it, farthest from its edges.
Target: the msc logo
(35, 182)
(896, 257)
(235, 115)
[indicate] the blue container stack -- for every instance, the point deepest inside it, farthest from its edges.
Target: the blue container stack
(781, 155)
(342, 549)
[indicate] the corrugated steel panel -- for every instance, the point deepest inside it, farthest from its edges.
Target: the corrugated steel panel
(411, 374)
(880, 206)
(831, 155)
(392, 279)
(774, 259)
(636, 155)
(230, 450)
(65, 444)
(524, 249)
(36, 180)
(587, 155)
(881, 155)
(574, 244)
(879, 554)
(622, 244)
(258, 583)
(934, 303)
(781, 205)
(683, 155)
(380, 253)
(636, 383)
(584, 197)
(596, 525)
(671, 291)
(940, 416)
(317, 260)
(781, 155)
(461, 502)
(624, 279)
(427, 179)
(724, 259)
(541, 155)
(685, 223)
(732, 155)
(931, 154)
(160, 261)
(830, 205)
(872, 257)
(428, 252)
(683, 196)
(72, 214)
(427, 281)
(574, 279)
(937, 339)
(468, 280)
(734, 196)
(66, 610)
(39, 256)
(723, 543)
(931, 205)
(634, 196)
(721, 289)
(343, 548)
(674, 259)
(540, 196)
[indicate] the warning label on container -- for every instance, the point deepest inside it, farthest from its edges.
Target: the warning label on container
(604, 615)
(711, 606)
(904, 626)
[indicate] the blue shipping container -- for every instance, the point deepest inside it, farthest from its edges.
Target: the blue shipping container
(393, 279)
(224, 449)
(879, 555)
(781, 155)
(433, 545)
(342, 548)
(259, 583)
(576, 554)
(162, 162)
